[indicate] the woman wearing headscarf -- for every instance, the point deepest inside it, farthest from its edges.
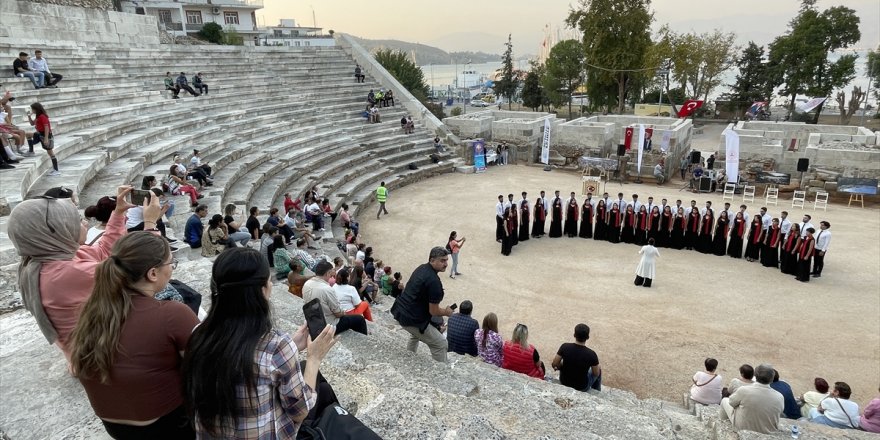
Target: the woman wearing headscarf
(48, 234)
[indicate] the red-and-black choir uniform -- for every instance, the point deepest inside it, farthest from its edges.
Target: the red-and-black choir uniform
(805, 258)
(676, 238)
(654, 220)
(704, 244)
(540, 217)
(628, 235)
(663, 236)
(556, 218)
(788, 252)
(514, 219)
(507, 241)
(586, 220)
(770, 252)
(614, 220)
(524, 215)
(601, 218)
(722, 228)
(756, 239)
(642, 227)
(692, 232)
(571, 218)
(737, 234)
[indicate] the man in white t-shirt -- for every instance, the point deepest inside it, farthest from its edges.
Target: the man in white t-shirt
(836, 410)
(707, 384)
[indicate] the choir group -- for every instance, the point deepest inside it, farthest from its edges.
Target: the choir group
(794, 248)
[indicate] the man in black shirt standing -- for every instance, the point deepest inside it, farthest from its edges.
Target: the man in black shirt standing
(578, 365)
(420, 301)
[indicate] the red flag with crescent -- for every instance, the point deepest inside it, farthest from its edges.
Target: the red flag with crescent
(628, 137)
(689, 107)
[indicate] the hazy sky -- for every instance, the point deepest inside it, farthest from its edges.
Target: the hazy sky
(455, 25)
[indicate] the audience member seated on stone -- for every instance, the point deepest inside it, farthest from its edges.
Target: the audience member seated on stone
(409, 126)
(811, 399)
(328, 210)
(460, 329)
(150, 182)
(177, 186)
(61, 261)
(196, 174)
(378, 271)
(385, 280)
(438, 146)
(298, 276)
(171, 85)
(294, 221)
(282, 258)
(658, 174)
(192, 232)
(303, 255)
(358, 74)
(267, 246)
(135, 216)
(522, 357)
(490, 345)
(216, 237)
(360, 254)
(39, 64)
(9, 132)
(578, 365)
(755, 407)
(200, 85)
(276, 221)
(870, 420)
(836, 410)
(319, 287)
(42, 135)
(792, 410)
(315, 215)
(272, 397)
(380, 98)
(100, 212)
(338, 264)
(183, 84)
(374, 115)
(746, 377)
(397, 285)
(365, 286)
(348, 297)
(366, 113)
(706, 388)
(21, 69)
(389, 98)
(289, 203)
(238, 233)
(371, 98)
(195, 163)
(126, 349)
(253, 223)
(420, 300)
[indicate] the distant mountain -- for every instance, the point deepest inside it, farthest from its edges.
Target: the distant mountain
(425, 54)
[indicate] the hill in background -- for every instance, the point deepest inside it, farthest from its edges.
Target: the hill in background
(428, 54)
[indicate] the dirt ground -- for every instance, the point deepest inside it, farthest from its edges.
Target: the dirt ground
(649, 341)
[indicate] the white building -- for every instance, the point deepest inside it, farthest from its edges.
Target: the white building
(287, 33)
(186, 17)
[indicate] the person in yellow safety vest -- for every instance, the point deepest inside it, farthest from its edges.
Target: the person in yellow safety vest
(381, 197)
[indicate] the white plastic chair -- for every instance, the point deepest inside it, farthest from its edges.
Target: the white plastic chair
(749, 194)
(772, 196)
(821, 200)
(799, 199)
(729, 190)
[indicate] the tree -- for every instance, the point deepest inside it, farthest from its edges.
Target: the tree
(753, 80)
(855, 101)
(565, 71)
(696, 61)
(507, 85)
(672, 96)
(799, 58)
(873, 72)
(231, 37)
(616, 40)
(402, 68)
(532, 94)
(211, 32)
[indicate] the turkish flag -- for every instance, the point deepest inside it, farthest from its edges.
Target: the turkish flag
(689, 107)
(628, 137)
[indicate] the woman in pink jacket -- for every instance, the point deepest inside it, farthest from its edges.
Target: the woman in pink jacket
(57, 272)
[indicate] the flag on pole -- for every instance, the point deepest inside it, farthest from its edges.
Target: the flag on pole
(756, 107)
(628, 137)
(811, 104)
(545, 145)
(689, 107)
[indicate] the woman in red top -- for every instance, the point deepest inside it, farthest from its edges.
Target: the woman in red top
(586, 230)
(641, 237)
(520, 356)
(756, 239)
(524, 219)
(629, 226)
(42, 135)
(805, 256)
(454, 246)
(612, 226)
(788, 252)
(601, 213)
(737, 231)
(770, 251)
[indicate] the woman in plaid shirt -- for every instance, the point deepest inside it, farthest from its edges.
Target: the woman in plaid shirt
(242, 377)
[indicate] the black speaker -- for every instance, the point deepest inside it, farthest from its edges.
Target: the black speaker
(705, 184)
(695, 157)
(621, 149)
(803, 164)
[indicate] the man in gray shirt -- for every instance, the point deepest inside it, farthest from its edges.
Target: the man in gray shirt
(755, 407)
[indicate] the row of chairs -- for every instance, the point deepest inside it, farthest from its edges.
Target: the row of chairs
(771, 196)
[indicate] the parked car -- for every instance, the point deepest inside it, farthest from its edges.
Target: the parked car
(479, 103)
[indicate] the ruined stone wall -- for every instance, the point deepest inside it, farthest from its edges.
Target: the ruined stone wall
(106, 5)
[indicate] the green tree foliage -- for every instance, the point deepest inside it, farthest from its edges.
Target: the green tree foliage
(231, 37)
(671, 96)
(211, 32)
(799, 58)
(399, 65)
(617, 37)
(696, 61)
(874, 71)
(507, 85)
(753, 80)
(532, 93)
(456, 111)
(565, 71)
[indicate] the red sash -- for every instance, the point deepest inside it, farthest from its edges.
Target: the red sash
(756, 226)
(707, 224)
(630, 219)
(574, 212)
(539, 210)
(773, 237)
(806, 251)
(789, 243)
(616, 218)
(643, 218)
(666, 220)
(694, 221)
(587, 211)
(740, 228)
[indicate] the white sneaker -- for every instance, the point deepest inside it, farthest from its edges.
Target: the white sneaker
(54, 173)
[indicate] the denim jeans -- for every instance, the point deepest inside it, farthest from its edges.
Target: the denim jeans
(37, 78)
(817, 417)
(240, 237)
(454, 269)
(594, 383)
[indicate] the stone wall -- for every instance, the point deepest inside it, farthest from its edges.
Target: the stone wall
(105, 5)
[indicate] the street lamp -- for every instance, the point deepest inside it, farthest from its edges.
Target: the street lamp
(661, 73)
(467, 96)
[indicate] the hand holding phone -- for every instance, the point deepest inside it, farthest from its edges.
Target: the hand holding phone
(139, 195)
(314, 315)
(454, 306)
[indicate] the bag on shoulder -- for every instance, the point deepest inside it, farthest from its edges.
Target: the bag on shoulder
(335, 423)
(191, 297)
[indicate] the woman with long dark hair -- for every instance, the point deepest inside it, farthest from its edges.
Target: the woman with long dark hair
(789, 250)
(628, 235)
(641, 232)
(756, 239)
(242, 378)
(612, 224)
(126, 345)
(654, 225)
(704, 243)
(722, 228)
(601, 213)
(540, 218)
(43, 135)
(737, 232)
(524, 218)
(514, 222)
(663, 234)
(676, 236)
(571, 217)
(507, 227)
(177, 185)
(692, 231)
(770, 251)
(586, 230)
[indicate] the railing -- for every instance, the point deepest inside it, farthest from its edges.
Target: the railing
(293, 37)
(254, 3)
(171, 26)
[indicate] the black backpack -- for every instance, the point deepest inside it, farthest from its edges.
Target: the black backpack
(191, 297)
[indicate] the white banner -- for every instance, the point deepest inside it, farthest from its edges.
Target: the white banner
(731, 155)
(641, 148)
(811, 104)
(545, 145)
(664, 142)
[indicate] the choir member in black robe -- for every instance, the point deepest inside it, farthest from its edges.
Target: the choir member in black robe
(641, 226)
(756, 239)
(571, 217)
(770, 252)
(789, 249)
(556, 217)
(587, 218)
(507, 241)
(692, 231)
(540, 217)
(737, 233)
(514, 219)
(722, 228)
(615, 219)
(601, 214)
(654, 223)
(676, 238)
(704, 244)
(666, 218)
(805, 256)
(524, 216)
(628, 234)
